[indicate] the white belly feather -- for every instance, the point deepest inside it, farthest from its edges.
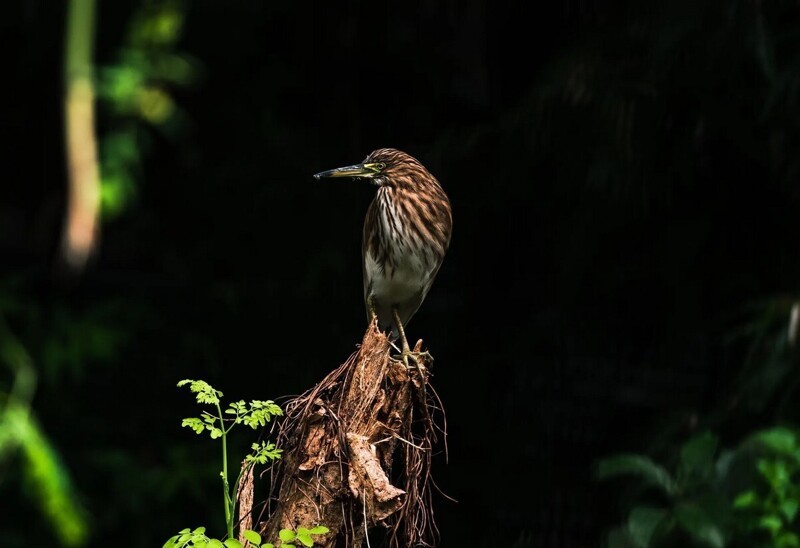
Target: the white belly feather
(395, 286)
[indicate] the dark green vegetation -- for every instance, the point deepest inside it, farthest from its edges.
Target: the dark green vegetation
(624, 259)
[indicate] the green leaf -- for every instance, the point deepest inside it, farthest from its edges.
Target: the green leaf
(787, 540)
(781, 440)
(288, 546)
(697, 455)
(199, 531)
(287, 535)
(204, 391)
(195, 424)
(789, 509)
(215, 433)
(773, 524)
(319, 530)
(636, 465)
(699, 525)
(776, 472)
(200, 544)
(233, 543)
(251, 536)
(268, 545)
(748, 499)
(305, 538)
(173, 541)
(642, 524)
(214, 543)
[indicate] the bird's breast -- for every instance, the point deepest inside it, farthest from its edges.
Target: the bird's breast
(399, 278)
(402, 251)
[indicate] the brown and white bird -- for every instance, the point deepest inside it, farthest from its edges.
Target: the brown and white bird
(406, 234)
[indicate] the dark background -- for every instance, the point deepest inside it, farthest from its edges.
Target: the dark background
(623, 179)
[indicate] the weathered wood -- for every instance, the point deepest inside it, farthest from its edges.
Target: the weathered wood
(357, 452)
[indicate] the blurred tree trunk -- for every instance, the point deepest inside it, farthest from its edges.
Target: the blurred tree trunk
(81, 221)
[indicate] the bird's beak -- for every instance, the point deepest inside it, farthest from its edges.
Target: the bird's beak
(367, 171)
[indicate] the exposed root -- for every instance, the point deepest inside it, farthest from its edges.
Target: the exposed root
(245, 500)
(357, 452)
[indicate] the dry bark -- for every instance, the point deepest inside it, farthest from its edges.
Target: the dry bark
(357, 452)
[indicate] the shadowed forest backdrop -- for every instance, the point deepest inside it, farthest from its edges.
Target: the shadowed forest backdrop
(624, 182)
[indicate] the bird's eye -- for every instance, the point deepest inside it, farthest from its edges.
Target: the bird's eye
(381, 165)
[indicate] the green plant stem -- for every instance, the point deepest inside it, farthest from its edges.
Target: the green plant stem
(225, 486)
(235, 490)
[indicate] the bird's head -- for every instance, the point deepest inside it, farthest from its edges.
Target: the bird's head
(385, 167)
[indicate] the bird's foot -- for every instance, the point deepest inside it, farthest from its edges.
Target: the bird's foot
(418, 359)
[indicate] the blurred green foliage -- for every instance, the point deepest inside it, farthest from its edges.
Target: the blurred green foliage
(136, 94)
(744, 497)
(23, 444)
(773, 503)
(748, 496)
(691, 497)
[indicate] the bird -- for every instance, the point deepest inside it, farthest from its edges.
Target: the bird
(406, 234)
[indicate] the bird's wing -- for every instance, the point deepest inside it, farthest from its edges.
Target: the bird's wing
(369, 220)
(407, 309)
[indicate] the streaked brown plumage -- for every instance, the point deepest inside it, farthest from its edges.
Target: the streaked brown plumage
(406, 235)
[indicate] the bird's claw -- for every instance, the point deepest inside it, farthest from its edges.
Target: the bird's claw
(416, 357)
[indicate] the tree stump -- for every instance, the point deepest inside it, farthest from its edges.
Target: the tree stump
(357, 452)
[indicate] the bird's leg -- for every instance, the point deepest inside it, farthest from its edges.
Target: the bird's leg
(371, 307)
(399, 324)
(406, 350)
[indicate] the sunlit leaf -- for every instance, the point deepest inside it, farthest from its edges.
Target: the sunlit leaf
(117, 188)
(781, 440)
(776, 472)
(195, 424)
(748, 499)
(251, 536)
(772, 524)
